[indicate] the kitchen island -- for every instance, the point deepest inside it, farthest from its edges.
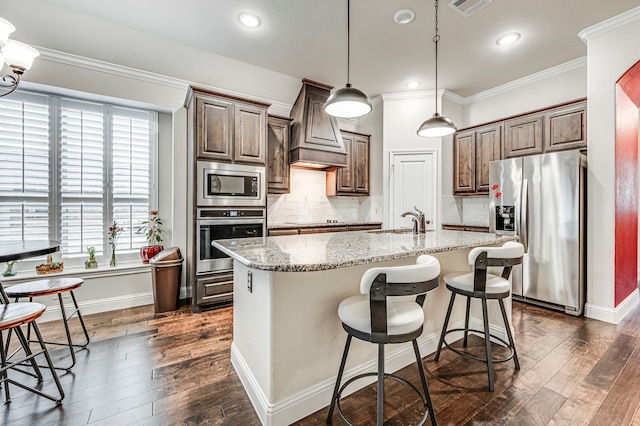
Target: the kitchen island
(287, 337)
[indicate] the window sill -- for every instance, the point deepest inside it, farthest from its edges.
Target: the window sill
(124, 268)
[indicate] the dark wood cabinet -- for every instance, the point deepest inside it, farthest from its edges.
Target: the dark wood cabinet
(278, 135)
(557, 128)
(464, 154)
(353, 179)
(473, 150)
(466, 228)
(215, 289)
(488, 148)
(566, 128)
(229, 129)
(274, 232)
(523, 136)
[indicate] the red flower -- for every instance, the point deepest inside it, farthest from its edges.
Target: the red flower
(494, 187)
(498, 194)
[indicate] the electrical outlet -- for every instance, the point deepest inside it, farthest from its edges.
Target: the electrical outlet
(250, 282)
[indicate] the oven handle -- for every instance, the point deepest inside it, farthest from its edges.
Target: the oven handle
(234, 221)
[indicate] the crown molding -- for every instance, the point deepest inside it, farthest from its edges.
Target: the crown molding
(524, 81)
(610, 24)
(403, 96)
(146, 76)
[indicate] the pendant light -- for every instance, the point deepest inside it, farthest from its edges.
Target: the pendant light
(437, 125)
(348, 102)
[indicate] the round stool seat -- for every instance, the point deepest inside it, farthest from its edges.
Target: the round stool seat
(44, 287)
(403, 316)
(15, 314)
(464, 282)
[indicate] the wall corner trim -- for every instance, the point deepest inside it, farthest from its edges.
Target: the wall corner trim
(612, 315)
(610, 24)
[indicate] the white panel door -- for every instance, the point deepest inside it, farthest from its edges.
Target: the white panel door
(414, 183)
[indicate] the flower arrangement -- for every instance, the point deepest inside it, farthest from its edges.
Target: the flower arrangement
(114, 233)
(151, 228)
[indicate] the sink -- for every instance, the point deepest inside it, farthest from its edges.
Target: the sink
(391, 231)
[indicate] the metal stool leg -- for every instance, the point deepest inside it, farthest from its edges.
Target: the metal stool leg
(487, 340)
(4, 376)
(339, 379)
(425, 387)
(466, 322)
(380, 384)
(509, 335)
(444, 327)
(51, 367)
(66, 329)
(84, 327)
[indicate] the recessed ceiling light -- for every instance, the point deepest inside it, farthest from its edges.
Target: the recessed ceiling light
(412, 84)
(249, 20)
(508, 39)
(404, 16)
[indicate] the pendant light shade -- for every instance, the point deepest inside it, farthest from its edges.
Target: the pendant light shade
(348, 102)
(437, 125)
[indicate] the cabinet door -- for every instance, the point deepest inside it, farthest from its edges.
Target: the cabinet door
(278, 155)
(464, 157)
(566, 128)
(488, 148)
(523, 136)
(250, 134)
(361, 165)
(345, 181)
(353, 179)
(214, 129)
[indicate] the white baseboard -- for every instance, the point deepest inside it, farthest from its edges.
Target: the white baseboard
(100, 305)
(612, 315)
(318, 396)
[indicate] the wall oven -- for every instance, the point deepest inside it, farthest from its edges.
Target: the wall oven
(220, 224)
(222, 184)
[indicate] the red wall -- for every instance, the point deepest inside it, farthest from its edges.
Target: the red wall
(626, 181)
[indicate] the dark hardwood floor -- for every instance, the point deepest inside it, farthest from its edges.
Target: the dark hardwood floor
(175, 368)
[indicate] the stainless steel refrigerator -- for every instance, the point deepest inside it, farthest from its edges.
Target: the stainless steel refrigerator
(541, 199)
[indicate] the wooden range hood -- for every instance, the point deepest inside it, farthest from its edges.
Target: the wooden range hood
(315, 137)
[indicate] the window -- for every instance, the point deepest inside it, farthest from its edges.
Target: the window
(70, 167)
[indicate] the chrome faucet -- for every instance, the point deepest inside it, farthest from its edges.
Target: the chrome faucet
(419, 221)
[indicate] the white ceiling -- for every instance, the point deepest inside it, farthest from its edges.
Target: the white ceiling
(307, 38)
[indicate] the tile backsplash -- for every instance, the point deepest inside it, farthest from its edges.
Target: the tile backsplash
(307, 202)
(468, 210)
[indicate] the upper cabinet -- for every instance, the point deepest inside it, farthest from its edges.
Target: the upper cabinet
(279, 132)
(553, 129)
(472, 151)
(354, 178)
(229, 129)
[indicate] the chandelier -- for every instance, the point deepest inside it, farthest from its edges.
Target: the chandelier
(18, 56)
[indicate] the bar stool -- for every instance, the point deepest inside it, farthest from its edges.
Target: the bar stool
(12, 316)
(372, 317)
(481, 285)
(54, 286)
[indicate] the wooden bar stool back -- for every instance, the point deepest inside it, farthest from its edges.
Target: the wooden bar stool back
(12, 316)
(52, 287)
(378, 317)
(482, 285)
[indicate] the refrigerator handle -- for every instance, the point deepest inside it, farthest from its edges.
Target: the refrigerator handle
(524, 213)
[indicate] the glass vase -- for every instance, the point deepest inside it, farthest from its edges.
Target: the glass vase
(112, 262)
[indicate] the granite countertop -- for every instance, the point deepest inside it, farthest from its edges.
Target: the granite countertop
(293, 225)
(317, 252)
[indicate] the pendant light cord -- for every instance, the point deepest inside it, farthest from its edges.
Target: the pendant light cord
(436, 39)
(348, 40)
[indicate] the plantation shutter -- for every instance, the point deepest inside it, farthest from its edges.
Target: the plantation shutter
(24, 167)
(82, 176)
(131, 152)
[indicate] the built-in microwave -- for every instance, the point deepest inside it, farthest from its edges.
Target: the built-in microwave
(236, 185)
